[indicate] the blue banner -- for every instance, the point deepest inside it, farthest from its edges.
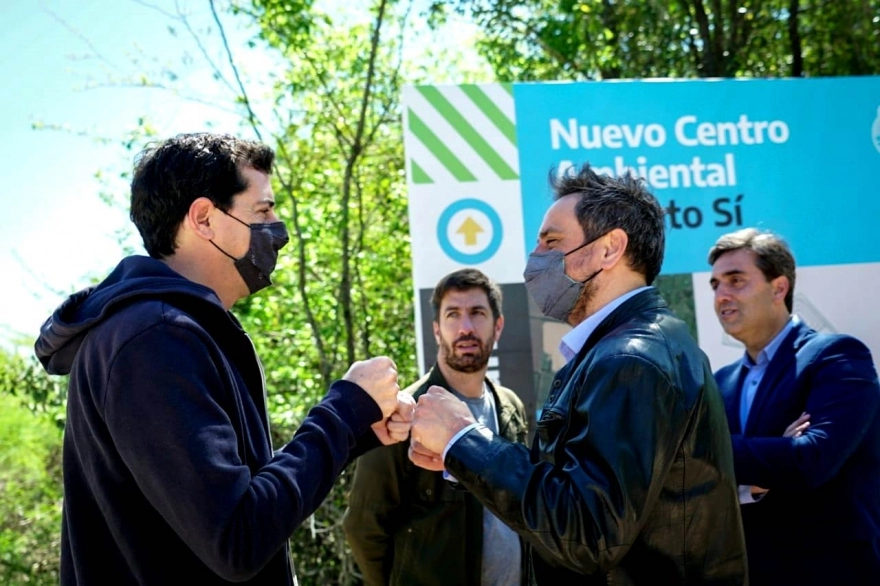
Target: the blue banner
(800, 157)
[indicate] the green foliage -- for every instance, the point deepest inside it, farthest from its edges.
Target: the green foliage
(343, 289)
(30, 484)
(343, 286)
(600, 39)
(25, 379)
(678, 291)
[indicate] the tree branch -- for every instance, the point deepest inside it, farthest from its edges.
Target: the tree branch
(82, 38)
(794, 38)
(302, 264)
(354, 155)
(159, 86)
(198, 41)
(560, 59)
(252, 118)
(610, 20)
(708, 65)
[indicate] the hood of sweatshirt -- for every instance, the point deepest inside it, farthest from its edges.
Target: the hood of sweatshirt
(134, 278)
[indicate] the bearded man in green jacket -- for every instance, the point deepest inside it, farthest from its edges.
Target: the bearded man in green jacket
(407, 525)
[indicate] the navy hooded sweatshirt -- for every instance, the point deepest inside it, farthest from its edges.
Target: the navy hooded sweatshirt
(169, 473)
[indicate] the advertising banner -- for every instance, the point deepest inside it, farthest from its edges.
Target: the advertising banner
(799, 157)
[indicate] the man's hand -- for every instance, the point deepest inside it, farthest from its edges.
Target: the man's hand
(426, 459)
(795, 430)
(798, 427)
(396, 428)
(439, 416)
(377, 376)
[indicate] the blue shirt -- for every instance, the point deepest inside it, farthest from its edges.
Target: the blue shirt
(751, 382)
(756, 370)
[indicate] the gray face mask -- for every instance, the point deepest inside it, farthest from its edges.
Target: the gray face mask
(551, 289)
(257, 264)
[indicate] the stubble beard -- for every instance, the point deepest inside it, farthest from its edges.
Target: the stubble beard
(474, 361)
(581, 307)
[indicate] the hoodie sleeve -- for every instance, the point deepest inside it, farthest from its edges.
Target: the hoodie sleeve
(167, 409)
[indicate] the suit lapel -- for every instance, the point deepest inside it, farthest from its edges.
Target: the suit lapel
(779, 365)
(730, 383)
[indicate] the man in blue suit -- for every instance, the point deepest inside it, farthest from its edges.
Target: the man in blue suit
(804, 414)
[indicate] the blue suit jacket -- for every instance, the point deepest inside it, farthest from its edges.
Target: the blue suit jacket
(820, 519)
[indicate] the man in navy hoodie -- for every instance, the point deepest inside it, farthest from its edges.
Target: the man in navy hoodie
(169, 472)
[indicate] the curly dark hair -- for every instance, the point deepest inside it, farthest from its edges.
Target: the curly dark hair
(621, 202)
(463, 280)
(170, 175)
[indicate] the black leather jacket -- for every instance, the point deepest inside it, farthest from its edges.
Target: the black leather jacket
(630, 477)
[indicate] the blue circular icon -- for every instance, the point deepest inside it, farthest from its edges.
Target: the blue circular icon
(443, 231)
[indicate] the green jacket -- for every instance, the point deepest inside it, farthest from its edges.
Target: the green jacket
(408, 526)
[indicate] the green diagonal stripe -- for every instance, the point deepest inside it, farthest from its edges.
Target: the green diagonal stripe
(492, 111)
(508, 87)
(467, 132)
(418, 174)
(438, 149)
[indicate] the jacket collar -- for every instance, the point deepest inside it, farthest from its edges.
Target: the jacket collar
(574, 340)
(647, 300)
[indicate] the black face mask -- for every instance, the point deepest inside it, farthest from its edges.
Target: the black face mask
(257, 264)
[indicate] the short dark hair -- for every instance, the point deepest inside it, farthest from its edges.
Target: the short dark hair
(170, 175)
(774, 257)
(621, 202)
(463, 280)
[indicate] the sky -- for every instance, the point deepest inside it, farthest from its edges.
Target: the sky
(67, 64)
(71, 68)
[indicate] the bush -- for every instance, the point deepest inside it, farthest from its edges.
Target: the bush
(30, 494)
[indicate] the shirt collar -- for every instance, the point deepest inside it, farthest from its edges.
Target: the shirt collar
(766, 355)
(573, 341)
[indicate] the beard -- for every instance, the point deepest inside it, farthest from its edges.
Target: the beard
(474, 360)
(579, 311)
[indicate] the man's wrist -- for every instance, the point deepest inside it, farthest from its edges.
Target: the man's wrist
(461, 433)
(456, 437)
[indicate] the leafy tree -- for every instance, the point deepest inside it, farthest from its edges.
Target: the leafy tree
(344, 289)
(26, 380)
(341, 292)
(607, 39)
(30, 474)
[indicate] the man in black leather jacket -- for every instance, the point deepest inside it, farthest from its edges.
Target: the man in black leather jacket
(630, 477)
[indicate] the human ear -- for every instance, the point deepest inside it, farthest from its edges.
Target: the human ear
(780, 286)
(198, 217)
(499, 327)
(615, 243)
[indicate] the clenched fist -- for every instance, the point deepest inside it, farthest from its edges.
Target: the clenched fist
(396, 428)
(377, 376)
(439, 416)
